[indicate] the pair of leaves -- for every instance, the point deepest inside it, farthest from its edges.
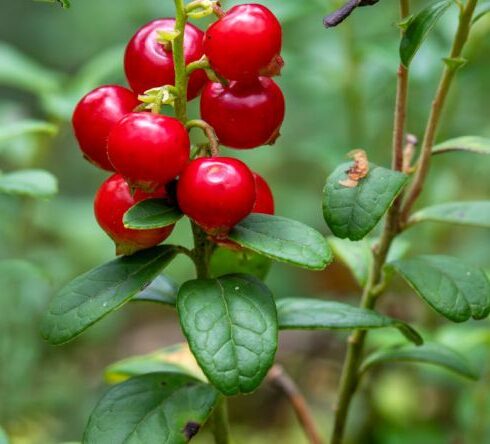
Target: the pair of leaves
(31, 183)
(274, 237)
(151, 409)
(353, 212)
(93, 295)
(429, 353)
(454, 289)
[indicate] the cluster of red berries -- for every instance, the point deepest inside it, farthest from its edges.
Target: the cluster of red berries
(148, 151)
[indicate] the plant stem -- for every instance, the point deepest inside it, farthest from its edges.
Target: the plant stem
(445, 83)
(349, 378)
(179, 62)
(201, 253)
(220, 423)
(278, 376)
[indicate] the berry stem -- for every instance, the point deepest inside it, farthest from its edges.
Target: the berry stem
(209, 132)
(203, 248)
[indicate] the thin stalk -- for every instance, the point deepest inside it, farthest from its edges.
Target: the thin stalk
(438, 104)
(201, 253)
(220, 423)
(349, 379)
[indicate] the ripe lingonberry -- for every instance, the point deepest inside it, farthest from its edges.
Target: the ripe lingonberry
(149, 150)
(112, 200)
(245, 43)
(264, 200)
(149, 63)
(94, 117)
(216, 193)
(244, 114)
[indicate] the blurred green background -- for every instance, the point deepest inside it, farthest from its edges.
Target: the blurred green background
(339, 86)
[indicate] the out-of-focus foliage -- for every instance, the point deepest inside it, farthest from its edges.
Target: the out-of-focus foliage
(339, 86)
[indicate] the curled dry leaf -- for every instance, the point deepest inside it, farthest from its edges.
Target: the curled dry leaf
(358, 171)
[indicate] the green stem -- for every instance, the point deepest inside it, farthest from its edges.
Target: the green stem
(220, 423)
(202, 251)
(349, 379)
(179, 61)
(438, 104)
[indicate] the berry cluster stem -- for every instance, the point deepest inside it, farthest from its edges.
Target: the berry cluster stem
(202, 247)
(397, 214)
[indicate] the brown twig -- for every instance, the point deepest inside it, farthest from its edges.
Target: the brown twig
(338, 16)
(278, 376)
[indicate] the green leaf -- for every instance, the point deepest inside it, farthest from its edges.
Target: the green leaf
(175, 359)
(151, 409)
(471, 144)
(63, 3)
(429, 353)
(475, 213)
(315, 314)
(419, 28)
(32, 183)
(226, 261)
(353, 212)
(11, 130)
(19, 71)
(452, 288)
(356, 256)
(162, 290)
(283, 240)
(231, 326)
(95, 294)
(483, 10)
(151, 213)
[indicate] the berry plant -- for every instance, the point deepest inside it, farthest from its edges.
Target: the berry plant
(231, 321)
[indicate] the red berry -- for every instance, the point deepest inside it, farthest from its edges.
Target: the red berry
(216, 192)
(244, 114)
(149, 150)
(94, 117)
(264, 201)
(149, 64)
(245, 43)
(111, 202)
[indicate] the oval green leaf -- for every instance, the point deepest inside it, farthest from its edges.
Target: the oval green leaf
(419, 28)
(353, 212)
(454, 289)
(162, 290)
(151, 213)
(226, 261)
(175, 359)
(283, 240)
(151, 409)
(231, 326)
(470, 144)
(429, 353)
(95, 294)
(315, 314)
(31, 183)
(475, 213)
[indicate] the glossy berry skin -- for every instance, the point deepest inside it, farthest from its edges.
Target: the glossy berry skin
(244, 114)
(112, 200)
(148, 64)
(148, 150)
(245, 43)
(216, 192)
(94, 117)
(264, 200)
